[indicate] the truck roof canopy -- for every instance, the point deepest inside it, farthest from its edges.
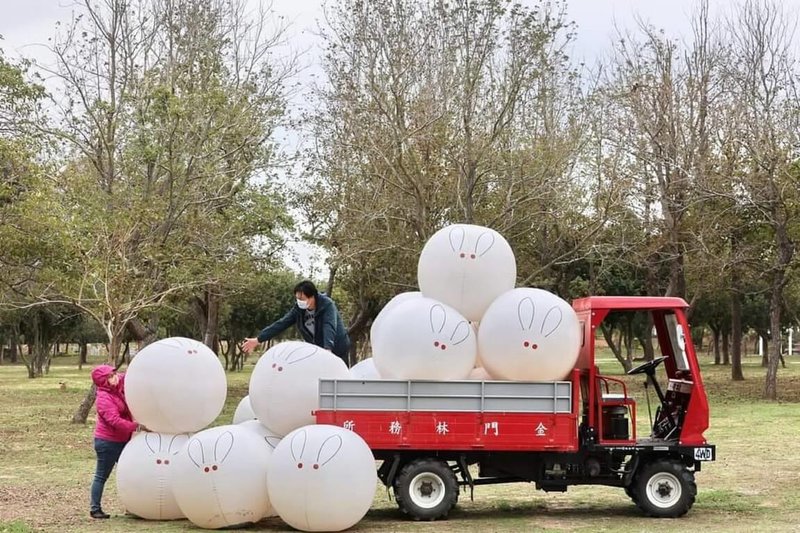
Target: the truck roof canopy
(628, 303)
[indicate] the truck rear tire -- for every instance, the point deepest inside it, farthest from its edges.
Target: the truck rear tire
(426, 489)
(664, 489)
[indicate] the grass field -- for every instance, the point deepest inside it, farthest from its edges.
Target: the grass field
(46, 466)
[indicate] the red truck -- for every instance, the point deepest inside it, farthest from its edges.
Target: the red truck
(580, 431)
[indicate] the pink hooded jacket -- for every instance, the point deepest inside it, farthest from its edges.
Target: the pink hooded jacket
(114, 419)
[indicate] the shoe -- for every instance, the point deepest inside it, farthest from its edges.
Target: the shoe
(99, 514)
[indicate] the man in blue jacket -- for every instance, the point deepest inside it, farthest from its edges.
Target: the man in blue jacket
(317, 320)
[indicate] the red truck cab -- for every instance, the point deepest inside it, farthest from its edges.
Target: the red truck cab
(582, 430)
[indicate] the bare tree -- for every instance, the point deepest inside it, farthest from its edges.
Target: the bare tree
(763, 85)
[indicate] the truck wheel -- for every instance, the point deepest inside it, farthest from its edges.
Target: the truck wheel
(664, 489)
(426, 489)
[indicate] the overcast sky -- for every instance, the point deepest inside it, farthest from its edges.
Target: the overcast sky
(24, 24)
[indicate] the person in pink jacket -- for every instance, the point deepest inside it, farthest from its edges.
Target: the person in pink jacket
(114, 428)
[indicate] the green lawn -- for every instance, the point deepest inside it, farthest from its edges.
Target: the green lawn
(46, 466)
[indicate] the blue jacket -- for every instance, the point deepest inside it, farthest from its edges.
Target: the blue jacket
(329, 330)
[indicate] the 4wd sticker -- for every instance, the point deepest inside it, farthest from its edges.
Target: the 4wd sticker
(703, 454)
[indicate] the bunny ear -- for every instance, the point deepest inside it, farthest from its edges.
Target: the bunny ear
(176, 443)
(461, 333)
(552, 320)
(330, 447)
(196, 453)
(438, 316)
(223, 447)
(298, 444)
(456, 237)
(272, 441)
(172, 343)
(300, 353)
(484, 243)
(153, 441)
(526, 310)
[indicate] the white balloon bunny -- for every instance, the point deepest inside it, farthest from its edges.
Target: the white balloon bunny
(529, 334)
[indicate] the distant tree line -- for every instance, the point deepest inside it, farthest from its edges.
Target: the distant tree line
(144, 192)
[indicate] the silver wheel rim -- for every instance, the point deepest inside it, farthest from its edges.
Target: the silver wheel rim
(427, 490)
(663, 490)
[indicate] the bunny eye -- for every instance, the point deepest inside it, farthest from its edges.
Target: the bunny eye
(316, 467)
(274, 365)
(436, 343)
(463, 255)
(280, 369)
(535, 346)
(526, 344)
(472, 256)
(444, 346)
(166, 461)
(206, 469)
(214, 467)
(299, 465)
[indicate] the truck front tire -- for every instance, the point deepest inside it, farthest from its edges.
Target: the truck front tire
(664, 489)
(426, 489)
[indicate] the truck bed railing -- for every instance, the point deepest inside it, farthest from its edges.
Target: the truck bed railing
(457, 396)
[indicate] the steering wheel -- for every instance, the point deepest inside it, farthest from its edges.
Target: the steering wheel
(645, 368)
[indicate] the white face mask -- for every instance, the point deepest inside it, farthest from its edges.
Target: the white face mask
(302, 304)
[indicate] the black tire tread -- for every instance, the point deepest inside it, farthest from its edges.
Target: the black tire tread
(686, 477)
(409, 471)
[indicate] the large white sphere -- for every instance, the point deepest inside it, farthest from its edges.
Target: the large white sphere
(529, 335)
(270, 437)
(394, 302)
(479, 374)
(424, 339)
(143, 475)
(244, 411)
(365, 370)
(466, 267)
(175, 385)
(284, 387)
(322, 478)
(220, 478)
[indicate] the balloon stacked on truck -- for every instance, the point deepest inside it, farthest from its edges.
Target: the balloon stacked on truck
(467, 276)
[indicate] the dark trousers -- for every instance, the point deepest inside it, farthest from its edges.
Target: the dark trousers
(108, 453)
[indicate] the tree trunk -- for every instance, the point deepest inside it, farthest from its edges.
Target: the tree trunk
(210, 337)
(82, 413)
(83, 354)
(785, 253)
(726, 360)
(716, 333)
(13, 345)
(331, 280)
(736, 336)
(608, 335)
